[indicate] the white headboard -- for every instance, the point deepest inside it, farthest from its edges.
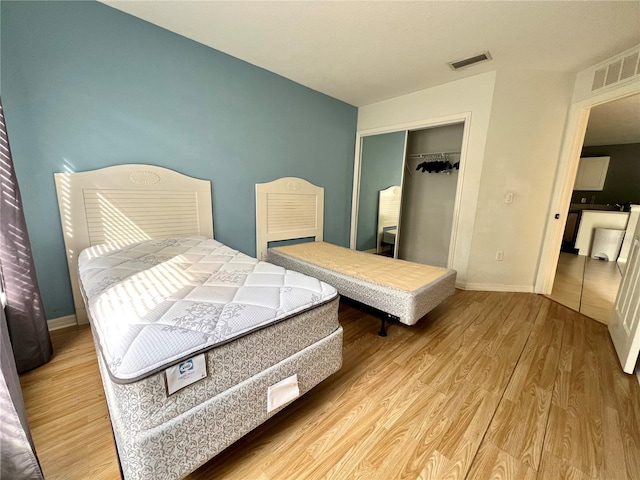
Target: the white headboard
(388, 210)
(128, 203)
(287, 208)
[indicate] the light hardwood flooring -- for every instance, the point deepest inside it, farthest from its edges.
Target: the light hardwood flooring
(489, 385)
(586, 285)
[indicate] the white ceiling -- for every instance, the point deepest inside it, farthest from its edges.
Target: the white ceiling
(614, 123)
(362, 52)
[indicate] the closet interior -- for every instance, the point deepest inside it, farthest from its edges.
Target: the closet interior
(407, 193)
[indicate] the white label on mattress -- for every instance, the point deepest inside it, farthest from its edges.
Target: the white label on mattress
(185, 373)
(282, 392)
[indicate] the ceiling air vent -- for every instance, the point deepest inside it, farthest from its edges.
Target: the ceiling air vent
(483, 57)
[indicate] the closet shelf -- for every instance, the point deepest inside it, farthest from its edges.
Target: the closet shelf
(432, 154)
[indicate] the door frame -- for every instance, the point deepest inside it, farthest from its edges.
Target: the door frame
(575, 129)
(464, 118)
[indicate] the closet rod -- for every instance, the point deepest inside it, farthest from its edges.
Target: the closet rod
(421, 155)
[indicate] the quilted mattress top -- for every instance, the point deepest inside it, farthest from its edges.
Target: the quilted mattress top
(157, 302)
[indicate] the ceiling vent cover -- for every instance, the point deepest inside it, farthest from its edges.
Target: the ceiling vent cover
(621, 69)
(483, 57)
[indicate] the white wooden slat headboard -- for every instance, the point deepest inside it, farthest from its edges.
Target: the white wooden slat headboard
(125, 204)
(388, 210)
(287, 208)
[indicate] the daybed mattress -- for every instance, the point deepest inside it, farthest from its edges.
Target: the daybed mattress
(403, 289)
(159, 302)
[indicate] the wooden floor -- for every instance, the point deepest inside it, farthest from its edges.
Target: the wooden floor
(487, 386)
(586, 285)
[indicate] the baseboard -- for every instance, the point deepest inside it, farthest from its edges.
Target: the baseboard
(62, 322)
(495, 287)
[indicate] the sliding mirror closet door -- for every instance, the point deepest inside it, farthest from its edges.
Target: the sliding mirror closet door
(381, 160)
(429, 194)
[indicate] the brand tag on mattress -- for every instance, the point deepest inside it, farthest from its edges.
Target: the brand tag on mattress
(282, 392)
(185, 373)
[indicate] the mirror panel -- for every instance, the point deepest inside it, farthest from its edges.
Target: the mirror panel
(382, 158)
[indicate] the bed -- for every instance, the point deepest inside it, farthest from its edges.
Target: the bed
(292, 209)
(197, 343)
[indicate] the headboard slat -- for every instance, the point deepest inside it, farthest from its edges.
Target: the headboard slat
(126, 217)
(289, 211)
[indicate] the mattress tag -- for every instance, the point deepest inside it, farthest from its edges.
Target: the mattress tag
(185, 373)
(282, 392)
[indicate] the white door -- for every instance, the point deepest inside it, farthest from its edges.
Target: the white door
(625, 325)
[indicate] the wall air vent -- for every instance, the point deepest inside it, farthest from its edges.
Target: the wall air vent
(483, 57)
(621, 69)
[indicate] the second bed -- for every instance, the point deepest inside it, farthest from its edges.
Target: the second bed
(292, 208)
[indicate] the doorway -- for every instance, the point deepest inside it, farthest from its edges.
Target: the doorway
(585, 284)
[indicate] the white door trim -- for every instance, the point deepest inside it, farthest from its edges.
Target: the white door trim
(566, 172)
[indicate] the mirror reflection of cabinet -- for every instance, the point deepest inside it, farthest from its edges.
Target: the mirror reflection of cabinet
(592, 172)
(422, 162)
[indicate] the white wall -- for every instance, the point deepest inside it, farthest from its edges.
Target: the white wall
(528, 117)
(471, 95)
(513, 144)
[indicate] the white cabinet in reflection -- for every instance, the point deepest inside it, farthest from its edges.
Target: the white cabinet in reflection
(592, 173)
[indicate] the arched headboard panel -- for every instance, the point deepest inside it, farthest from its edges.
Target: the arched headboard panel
(287, 208)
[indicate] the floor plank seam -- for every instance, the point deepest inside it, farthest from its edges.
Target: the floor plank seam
(584, 272)
(484, 435)
(555, 379)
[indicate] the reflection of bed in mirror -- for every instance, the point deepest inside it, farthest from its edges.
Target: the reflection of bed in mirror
(388, 217)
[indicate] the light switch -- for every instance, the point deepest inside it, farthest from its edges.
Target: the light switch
(508, 198)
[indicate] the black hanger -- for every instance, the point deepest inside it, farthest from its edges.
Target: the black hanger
(435, 166)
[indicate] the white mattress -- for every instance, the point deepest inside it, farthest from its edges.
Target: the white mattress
(155, 303)
(145, 404)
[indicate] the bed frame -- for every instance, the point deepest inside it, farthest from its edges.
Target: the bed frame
(292, 208)
(124, 204)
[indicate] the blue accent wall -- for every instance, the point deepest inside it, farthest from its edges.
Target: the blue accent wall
(86, 86)
(381, 167)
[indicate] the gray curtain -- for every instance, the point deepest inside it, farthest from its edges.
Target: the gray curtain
(24, 337)
(17, 455)
(25, 316)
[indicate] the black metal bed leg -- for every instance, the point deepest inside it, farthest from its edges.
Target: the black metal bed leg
(383, 330)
